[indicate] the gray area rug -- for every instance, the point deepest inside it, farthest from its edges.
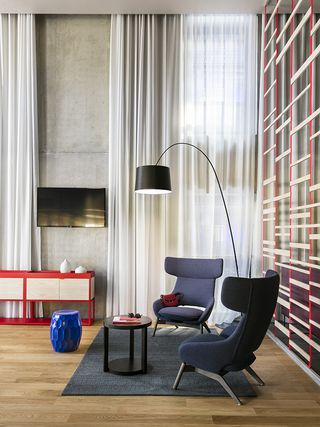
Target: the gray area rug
(163, 363)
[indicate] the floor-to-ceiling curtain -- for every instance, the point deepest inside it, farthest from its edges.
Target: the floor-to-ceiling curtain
(188, 79)
(145, 81)
(220, 116)
(19, 248)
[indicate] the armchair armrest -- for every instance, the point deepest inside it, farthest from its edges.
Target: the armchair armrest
(206, 313)
(157, 305)
(211, 356)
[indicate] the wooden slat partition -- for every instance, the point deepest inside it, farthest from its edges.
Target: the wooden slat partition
(306, 121)
(291, 196)
(270, 88)
(282, 197)
(302, 322)
(314, 236)
(282, 328)
(270, 114)
(283, 155)
(271, 39)
(303, 92)
(306, 64)
(273, 57)
(313, 205)
(294, 35)
(300, 284)
(302, 159)
(273, 147)
(286, 26)
(315, 135)
(299, 245)
(283, 126)
(273, 14)
(315, 28)
(300, 180)
(300, 215)
(314, 187)
(299, 350)
(270, 180)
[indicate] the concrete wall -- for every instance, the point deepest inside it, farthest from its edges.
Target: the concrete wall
(73, 56)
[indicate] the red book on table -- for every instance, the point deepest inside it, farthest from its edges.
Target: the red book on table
(123, 320)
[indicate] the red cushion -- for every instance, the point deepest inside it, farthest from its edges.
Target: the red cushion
(170, 300)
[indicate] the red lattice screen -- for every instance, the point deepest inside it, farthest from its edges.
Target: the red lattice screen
(291, 180)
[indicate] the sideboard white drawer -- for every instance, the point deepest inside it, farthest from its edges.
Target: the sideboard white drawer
(11, 288)
(74, 289)
(43, 289)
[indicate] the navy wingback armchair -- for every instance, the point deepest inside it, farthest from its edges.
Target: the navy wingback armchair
(196, 282)
(215, 355)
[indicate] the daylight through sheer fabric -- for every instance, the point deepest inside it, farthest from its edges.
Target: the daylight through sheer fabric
(180, 78)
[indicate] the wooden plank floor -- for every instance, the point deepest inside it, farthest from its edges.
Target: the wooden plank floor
(32, 378)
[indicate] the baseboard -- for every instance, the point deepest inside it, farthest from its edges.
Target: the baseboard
(315, 377)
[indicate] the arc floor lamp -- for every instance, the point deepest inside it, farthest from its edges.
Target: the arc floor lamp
(155, 179)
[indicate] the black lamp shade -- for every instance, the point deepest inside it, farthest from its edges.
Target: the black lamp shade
(153, 179)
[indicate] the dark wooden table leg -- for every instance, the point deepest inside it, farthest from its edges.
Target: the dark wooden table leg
(144, 350)
(106, 350)
(131, 344)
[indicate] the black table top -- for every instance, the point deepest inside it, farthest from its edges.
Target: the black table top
(144, 323)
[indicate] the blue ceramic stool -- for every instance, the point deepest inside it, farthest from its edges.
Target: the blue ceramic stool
(65, 330)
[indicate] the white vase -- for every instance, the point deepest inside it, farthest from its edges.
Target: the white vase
(80, 269)
(65, 266)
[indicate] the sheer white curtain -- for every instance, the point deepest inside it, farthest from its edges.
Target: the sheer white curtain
(19, 247)
(220, 116)
(188, 79)
(145, 81)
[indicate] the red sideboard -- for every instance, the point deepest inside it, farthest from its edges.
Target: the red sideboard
(29, 287)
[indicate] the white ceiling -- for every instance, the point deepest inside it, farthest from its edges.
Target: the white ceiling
(130, 6)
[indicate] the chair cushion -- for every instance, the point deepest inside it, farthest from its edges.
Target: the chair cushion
(180, 313)
(229, 330)
(208, 351)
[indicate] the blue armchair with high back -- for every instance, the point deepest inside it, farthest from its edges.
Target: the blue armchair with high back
(196, 282)
(233, 350)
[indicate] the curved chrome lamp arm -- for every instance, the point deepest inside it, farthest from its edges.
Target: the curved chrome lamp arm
(160, 183)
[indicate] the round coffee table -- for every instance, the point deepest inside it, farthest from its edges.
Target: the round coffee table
(130, 365)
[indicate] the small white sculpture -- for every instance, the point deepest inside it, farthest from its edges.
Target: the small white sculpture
(65, 266)
(80, 269)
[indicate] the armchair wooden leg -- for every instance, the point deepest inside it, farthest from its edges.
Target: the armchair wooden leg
(206, 327)
(201, 329)
(155, 327)
(254, 375)
(221, 381)
(178, 377)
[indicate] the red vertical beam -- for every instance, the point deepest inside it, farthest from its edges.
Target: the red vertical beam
(89, 302)
(290, 167)
(276, 164)
(24, 303)
(264, 125)
(311, 107)
(276, 151)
